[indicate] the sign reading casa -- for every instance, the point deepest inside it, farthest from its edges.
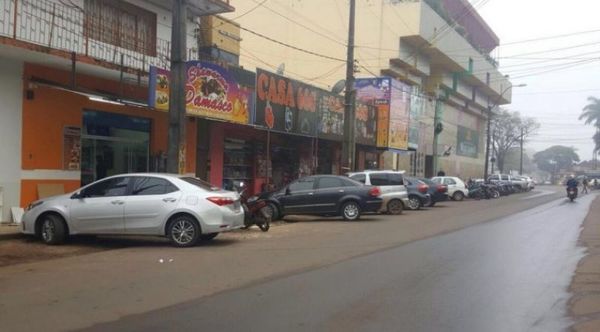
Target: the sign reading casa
(211, 91)
(285, 105)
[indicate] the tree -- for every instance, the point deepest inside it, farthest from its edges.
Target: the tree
(506, 132)
(591, 114)
(556, 158)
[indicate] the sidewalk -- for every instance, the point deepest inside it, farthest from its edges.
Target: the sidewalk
(585, 286)
(9, 231)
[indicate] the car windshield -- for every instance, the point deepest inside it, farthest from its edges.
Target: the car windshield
(200, 184)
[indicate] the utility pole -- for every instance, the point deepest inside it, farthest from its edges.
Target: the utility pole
(176, 149)
(487, 144)
(349, 146)
(521, 162)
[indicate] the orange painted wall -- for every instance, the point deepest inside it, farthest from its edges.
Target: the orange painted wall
(51, 109)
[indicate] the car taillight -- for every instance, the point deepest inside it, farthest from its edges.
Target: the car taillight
(442, 188)
(375, 192)
(422, 188)
(221, 201)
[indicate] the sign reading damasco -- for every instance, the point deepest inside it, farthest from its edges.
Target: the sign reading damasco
(467, 142)
(211, 91)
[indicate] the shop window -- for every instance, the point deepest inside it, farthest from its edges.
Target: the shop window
(302, 184)
(237, 163)
(379, 179)
(152, 186)
(327, 182)
(121, 24)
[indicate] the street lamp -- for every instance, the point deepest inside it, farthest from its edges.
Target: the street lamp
(489, 124)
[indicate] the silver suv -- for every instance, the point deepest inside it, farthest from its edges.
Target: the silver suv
(391, 183)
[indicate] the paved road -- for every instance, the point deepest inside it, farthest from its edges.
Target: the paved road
(508, 275)
(81, 291)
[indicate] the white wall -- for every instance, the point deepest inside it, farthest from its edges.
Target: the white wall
(11, 106)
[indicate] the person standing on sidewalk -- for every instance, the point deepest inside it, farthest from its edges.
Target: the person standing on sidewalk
(584, 183)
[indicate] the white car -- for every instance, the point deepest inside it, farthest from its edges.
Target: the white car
(183, 209)
(457, 190)
(391, 183)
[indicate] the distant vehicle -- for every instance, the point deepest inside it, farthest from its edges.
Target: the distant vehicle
(183, 209)
(457, 190)
(391, 183)
(438, 192)
(328, 195)
(418, 193)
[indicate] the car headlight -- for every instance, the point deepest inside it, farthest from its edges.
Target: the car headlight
(34, 205)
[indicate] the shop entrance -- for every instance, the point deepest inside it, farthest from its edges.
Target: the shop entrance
(113, 144)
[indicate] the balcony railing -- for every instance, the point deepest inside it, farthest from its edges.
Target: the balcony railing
(60, 26)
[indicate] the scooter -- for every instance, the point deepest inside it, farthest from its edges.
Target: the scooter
(572, 193)
(256, 211)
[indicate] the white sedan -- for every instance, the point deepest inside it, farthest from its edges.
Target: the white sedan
(183, 209)
(457, 190)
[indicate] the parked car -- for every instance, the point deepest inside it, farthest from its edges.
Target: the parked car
(329, 195)
(438, 192)
(457, 190)
(183, 209)
(391, 183)
(515, 181)
(418, 193)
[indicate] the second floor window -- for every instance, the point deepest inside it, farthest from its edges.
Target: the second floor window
(121, 24)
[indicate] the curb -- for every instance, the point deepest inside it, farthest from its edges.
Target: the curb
(13, 233)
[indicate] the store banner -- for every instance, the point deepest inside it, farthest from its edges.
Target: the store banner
(366, 124)
(399, 115)
(416, 112)
(330, 116)
(211, 91)
(467, 142)
(376, 92)
(285, 105)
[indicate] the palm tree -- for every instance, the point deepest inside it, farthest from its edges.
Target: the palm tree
(591, 114)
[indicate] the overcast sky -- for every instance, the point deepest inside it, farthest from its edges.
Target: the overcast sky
(556, 90)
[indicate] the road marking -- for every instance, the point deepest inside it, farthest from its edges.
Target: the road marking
(540, 193)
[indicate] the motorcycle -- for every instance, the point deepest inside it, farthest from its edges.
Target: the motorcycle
(572, 193)
(482, 190)
(256, 211)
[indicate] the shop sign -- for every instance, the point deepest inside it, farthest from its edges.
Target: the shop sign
(376, 92)
(211, 91)
(467, 142)
(285, 105)
(416, 112)
(72, 148)
(399, 115)
(330, 116)
(366, 124)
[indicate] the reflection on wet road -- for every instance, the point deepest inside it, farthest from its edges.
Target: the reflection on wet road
(507, 275)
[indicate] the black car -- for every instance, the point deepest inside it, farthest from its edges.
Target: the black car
(329, 195)
(418, 195)
(437, 191)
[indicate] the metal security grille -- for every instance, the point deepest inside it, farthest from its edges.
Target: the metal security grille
(121, 24)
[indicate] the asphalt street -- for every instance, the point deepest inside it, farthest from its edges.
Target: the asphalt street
(507, 275)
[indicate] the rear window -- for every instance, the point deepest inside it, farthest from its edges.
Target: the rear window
(395, 179)
(359, 177)
(379, 179)
(200, 184)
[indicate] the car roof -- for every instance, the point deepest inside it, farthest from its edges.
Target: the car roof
(160, 175)
(375, 171)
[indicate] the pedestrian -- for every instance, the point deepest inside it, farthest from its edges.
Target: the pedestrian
(441, 173)
(585, 185)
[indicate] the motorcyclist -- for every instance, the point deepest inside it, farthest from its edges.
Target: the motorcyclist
(572, 183)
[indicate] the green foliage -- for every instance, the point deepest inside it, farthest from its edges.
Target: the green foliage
(556, 158)
(591, 115)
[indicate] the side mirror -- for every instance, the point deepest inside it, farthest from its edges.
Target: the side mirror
(288, 191)
(77, 195)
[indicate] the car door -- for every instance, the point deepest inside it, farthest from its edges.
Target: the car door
(330, 190)
(150, 202)
(99, 207)
(296, 196)
(452, 185)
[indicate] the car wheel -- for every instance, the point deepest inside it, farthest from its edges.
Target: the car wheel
(414, 203)
(273, 210)
(53, 230)
(351, 211)
(458, 196)
(208, 237)
(495, 193)
(184, 231)
(395, 206)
